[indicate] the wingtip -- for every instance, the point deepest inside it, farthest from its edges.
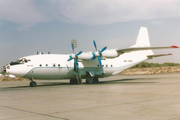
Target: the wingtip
(174, 46)
(170, 53)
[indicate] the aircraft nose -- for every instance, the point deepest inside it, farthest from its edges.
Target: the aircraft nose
(6, 68)
(6, 72)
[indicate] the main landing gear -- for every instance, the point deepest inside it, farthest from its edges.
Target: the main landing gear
(75, 81)
(88, 81)
(32, 83)
(92, 80)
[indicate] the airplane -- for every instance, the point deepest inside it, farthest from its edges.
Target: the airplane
(83, 65)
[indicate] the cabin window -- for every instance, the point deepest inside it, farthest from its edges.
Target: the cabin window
(98, 65)
(106, 65)
(46, 65)
(102, 65)
(111, 65)
(58, 65)
(8, 67)
(40, 65)
(20, 61)
(54, 65)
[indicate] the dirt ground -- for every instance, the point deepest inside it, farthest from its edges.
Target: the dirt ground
(152, 70)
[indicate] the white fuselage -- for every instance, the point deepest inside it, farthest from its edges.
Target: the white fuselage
(56, 66)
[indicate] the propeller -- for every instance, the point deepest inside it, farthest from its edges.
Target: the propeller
(74, 56)
(97, 54)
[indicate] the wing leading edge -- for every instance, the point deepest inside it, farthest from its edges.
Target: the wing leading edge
(121, 51)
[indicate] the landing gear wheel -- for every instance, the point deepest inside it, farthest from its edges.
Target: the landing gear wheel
(89, 80)
(73, 81)
(95, 80)
(33, 84)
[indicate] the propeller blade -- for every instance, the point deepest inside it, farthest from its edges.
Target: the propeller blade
(75, 64)
(95, 44)
(93, 58)
(97, 53)
(69, 59)
(72, 47)
(73, 56)
(79, 53)
(99, 59)
(103, 49)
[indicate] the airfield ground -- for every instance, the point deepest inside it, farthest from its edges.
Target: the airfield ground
(122, 97)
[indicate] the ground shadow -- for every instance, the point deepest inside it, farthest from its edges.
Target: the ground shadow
(132, 80)
(101, 82)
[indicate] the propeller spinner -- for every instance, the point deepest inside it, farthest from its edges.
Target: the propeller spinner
(74, 56)
(97, 54)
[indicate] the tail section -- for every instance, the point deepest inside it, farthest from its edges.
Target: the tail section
(143, 41)
(143, 38)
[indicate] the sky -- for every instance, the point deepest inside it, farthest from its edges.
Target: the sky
(49, 25)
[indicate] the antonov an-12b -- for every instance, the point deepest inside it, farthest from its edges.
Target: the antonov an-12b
(83, 65)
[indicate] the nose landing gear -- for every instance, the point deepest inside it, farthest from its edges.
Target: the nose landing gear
(33, 83)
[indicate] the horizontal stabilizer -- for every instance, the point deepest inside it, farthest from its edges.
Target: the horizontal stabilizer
(121, 51)
(151, 56)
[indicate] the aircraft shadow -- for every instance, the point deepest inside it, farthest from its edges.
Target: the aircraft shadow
(128, 81)
(120, 81)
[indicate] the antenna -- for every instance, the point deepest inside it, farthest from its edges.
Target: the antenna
(74, 42)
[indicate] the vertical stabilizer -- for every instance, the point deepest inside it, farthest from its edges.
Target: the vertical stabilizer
(143, 41)
(143, 38)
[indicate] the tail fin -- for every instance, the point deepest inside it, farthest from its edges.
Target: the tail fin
(143, 41)
(143, 38)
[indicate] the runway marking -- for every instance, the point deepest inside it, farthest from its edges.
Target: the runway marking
(35, 113)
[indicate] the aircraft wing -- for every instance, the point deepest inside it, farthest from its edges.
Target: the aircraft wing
(151, 56)
(121, 51)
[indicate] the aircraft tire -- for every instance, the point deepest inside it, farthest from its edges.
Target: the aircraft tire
(73, 81)
(95, 80)
(89, 80)
(33, 84)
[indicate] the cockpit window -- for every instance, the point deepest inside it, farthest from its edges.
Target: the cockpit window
(20, 61)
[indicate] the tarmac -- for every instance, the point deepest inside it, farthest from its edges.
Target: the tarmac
(133, 97)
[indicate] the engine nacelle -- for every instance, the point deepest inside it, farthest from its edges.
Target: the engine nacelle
(110, 53)
(85, 56)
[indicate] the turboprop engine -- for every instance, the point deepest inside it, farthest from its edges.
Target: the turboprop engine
(107, 54)
(110, 54)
